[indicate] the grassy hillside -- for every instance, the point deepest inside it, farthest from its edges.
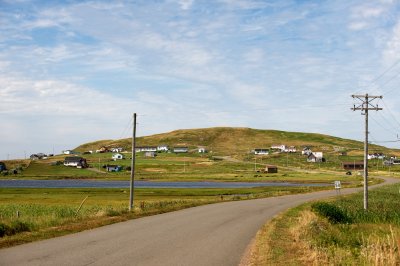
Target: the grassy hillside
(235, 141)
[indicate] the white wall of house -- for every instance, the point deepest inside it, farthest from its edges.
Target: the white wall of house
(118, 156)
(162, 148)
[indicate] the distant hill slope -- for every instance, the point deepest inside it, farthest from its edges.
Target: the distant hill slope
(229, 141)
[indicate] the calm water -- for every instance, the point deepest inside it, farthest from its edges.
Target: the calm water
(141, 184)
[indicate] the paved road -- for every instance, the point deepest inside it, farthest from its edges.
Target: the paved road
(216, 234)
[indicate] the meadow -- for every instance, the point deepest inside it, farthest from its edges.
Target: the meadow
(32, 214)
(335, 232)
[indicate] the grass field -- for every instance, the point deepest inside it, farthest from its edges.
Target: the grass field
(32, 214)
(338, 232)
(195, 167)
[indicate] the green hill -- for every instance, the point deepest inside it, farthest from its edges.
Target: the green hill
(239, 141)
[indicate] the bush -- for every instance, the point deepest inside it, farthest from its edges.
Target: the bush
(333, 213)
(4, 229)
(15, 228)
(18, 227)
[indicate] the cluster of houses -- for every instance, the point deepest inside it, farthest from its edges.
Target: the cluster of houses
(312, 157)
(166, 148)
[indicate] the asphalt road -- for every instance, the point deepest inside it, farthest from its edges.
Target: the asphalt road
(216, 234)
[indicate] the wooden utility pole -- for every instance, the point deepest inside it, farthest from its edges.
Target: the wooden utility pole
(366, 105)
(133, 163)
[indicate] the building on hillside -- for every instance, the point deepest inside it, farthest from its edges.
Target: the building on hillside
(376, 155)
(202, 150)
(38, 156)
(306, 151)
(271, 169)
(145, 148)
(117, 156)
(280, 147)
(181, 149)
(151, 154)
(116, 149)
(113, 168)
(163, 147)
(2, 166)
(68, 152)
(75, 161)
(261, 151)
(353, 165)
(291, 149)
(102, 149)
(315, 157)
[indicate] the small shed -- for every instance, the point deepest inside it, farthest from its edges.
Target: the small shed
(261, 151)
(150, 154)
(117, 156)
(113, 168)
(2, 166)
(202, 150)
(271, 169)
(353, 165)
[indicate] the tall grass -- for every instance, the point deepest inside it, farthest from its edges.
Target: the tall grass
(336, 232)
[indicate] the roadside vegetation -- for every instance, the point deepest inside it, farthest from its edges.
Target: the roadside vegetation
(335, 232)
(32, 214)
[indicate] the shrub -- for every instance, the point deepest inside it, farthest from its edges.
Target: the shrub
(18, 227)
(333, 213)
(4, 229)
(15, 228)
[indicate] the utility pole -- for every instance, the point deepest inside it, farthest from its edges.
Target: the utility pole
(133, 163)
(366, 105)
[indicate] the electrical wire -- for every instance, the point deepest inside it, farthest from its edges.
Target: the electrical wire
(391, 114)
(380, 76)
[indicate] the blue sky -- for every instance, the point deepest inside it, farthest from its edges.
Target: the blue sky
(75, 71)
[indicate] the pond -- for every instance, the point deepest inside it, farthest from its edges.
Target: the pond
(80, 183)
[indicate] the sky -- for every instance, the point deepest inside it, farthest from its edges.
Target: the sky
(75, 71)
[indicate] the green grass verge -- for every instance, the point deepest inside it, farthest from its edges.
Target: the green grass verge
(336, 232)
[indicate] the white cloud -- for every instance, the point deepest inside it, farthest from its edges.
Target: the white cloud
(185, 4)
(392, 51)
(359, 25)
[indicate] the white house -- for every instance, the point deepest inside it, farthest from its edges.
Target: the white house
(280, 147)
(118, 149)
(202, 150)
(181, 149)
(291, 149)
(77, 162)
(146, 148)
(379, 156)
(315, 157)
(68, 152)
(306, 151)
(261, 151)
(117, 156)
(162, 148)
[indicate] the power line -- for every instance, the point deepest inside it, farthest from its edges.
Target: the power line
(385, 128)
(387, 108)
(380, 76)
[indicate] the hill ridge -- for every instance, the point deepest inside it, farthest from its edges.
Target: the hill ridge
(237, 140)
